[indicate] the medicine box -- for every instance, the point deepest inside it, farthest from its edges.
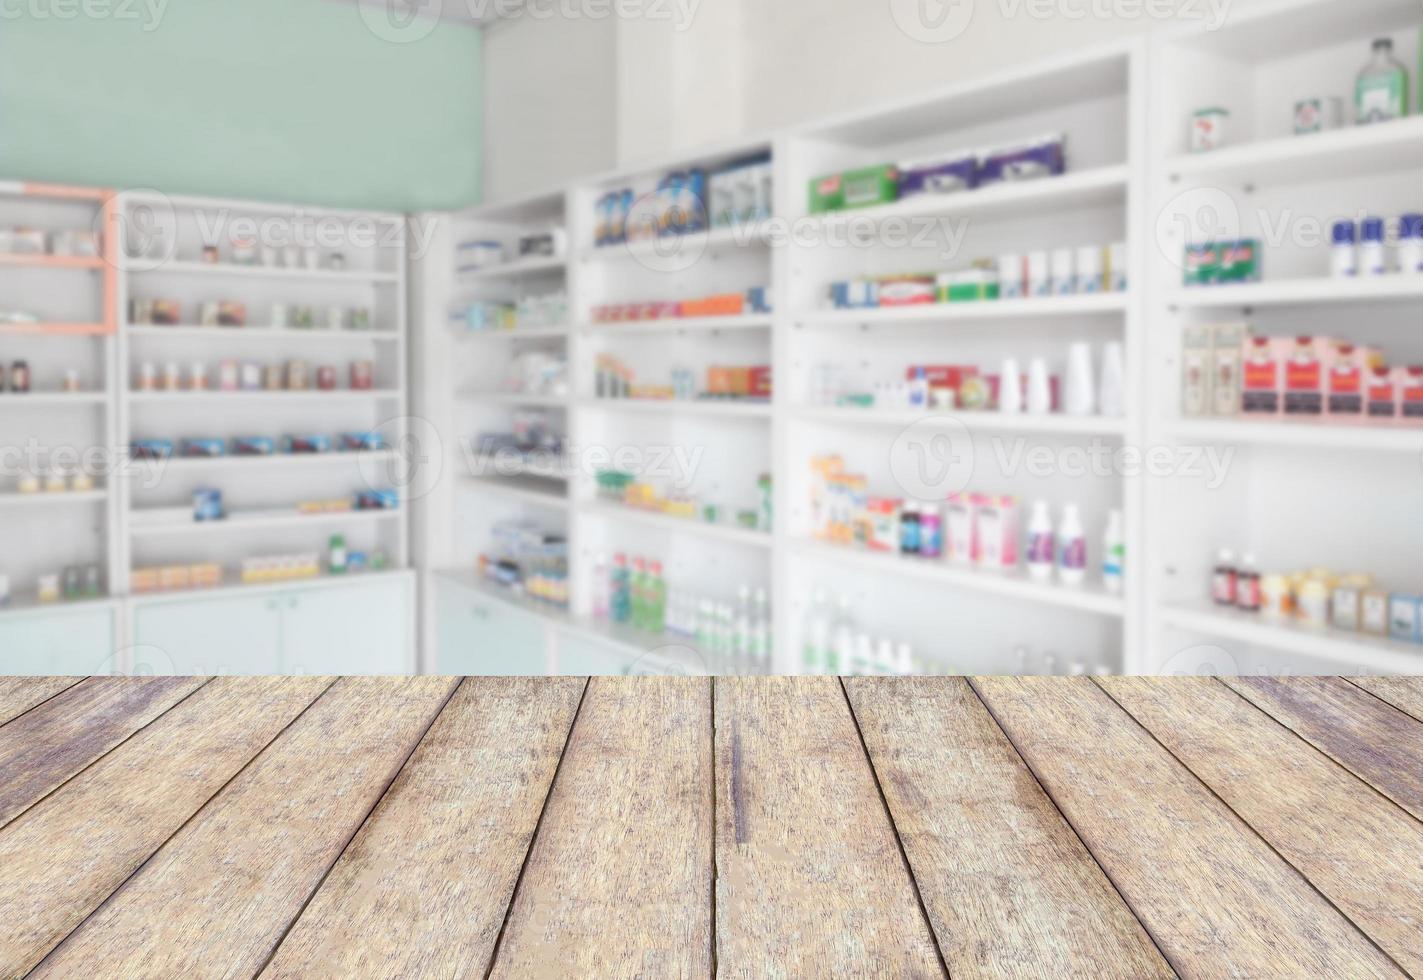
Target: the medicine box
(1374, 613)
(1403, 618)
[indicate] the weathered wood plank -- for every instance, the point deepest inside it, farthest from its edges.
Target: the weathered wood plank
(1010, 889)
(810, 879)
(20, 694)
(1404, 693)
(423, 888)
(1373, 740)
(619, 878)
(46, 746)
(218, 897)
(1217, 900)
(71, 850)
(1362, 851)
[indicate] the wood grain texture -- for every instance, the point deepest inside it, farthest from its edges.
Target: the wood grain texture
(1373, 740)
(217, 898)
(618, 881)
(1216, 899)
(46, 746)
(71, 850)
(810, 879)
(423, 888)
(20, 694)
(1010, 889)
(1404, 693)
(1358, 848)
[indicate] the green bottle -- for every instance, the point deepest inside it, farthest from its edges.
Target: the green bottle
(338, 555)
(1381, 92)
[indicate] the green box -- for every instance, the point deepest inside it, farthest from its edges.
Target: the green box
(861, 188)
(827, 194)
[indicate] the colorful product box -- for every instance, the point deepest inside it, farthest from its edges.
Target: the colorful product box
(1403, 620)
(1410, 395)
(1382, 393)
(1304, 378)
(996, 523)
(1346, 380)
(1261, 377)
(1347, 611)
(961, 520)
(907, 290)
(1374, 613)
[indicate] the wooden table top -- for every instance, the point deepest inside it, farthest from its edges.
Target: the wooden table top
(682, 827)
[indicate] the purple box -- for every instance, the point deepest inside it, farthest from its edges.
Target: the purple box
(1044, 157)
(943, 176)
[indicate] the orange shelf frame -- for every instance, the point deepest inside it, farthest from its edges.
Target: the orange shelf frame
(53, 261)
(107, 263)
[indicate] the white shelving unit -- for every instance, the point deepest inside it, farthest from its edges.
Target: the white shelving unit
(1098, 98)
(1297, 494)
(296, 249)
(48, 429)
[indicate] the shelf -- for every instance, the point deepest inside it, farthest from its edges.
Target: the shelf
(514, 398)
(669, 406)
(1013, 585)
(51, 261)
(264, 522)
(996, 309)
(56, 329)
(1094, 425)
(261, 272)
(1372, 653)
(276, 460)
(688, 324)
(1301, 292)
(1313, 435)
(52, 499)
(529, 489)
(510, 270)
(1088, 189)
(228, 589)
(754, 235)
(38, 399)
(717, 532)
(29, 605)
(517, 333)
(1355, 152)
(266, 334)
(222, 397)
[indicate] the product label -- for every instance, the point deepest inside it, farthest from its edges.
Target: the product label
(1262, 386)
(1074, 554)
(1346, 384)
(1040, 548)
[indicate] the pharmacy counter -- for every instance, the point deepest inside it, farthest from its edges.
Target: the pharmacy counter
(436, 827)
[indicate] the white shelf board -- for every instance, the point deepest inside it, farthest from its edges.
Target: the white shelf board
(998, 309)
(1293, 432)
(680, 406)
(260, 272)
(514, 398)
(1351, 153)
(1014, 585)
(529, 489)
(716, 532)
(225, 397)
(48, 499)
(259, 334)
(1301, 292)
(237, 523)
(1094, 425)
(513, 269)
(1087, 189)
(52, 398)
(1374, 653)
(518, 333)
(686, 324)
(238, 588)
(279, 461)
(29, 605)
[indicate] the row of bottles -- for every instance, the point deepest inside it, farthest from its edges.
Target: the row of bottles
(832, 645)
(636, 593)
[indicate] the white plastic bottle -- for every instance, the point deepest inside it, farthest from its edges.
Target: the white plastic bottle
(862, 664)
(884, 658)
(1080, 391)
(919, 390)
(1010, 388)
(904, 660)
(1373, 252)
(1040, 543)
(761, 632)
(601, 587)
(842, 639)
(1072, 545)
(1114, 548)
(1111, 398)
(743, 641)
(1039, 387)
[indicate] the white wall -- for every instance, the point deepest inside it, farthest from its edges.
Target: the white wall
(550, 101)
(698, 72)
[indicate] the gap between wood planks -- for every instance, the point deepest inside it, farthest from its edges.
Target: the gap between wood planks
(1250, 826)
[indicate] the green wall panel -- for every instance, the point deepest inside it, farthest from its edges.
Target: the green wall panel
(280, 100)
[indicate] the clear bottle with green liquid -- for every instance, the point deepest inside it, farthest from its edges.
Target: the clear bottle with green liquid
(1381, 92)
